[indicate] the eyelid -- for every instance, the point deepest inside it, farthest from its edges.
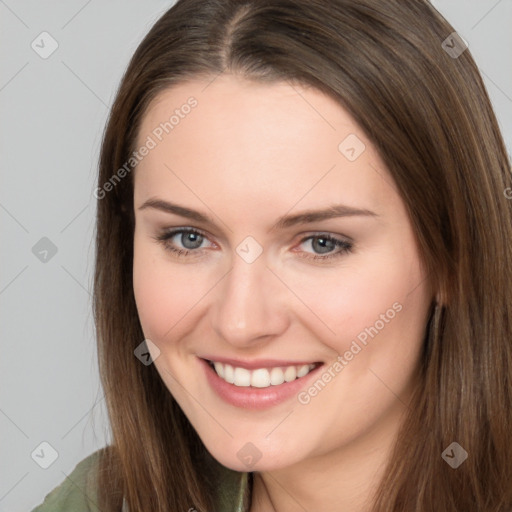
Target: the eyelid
(327, 234)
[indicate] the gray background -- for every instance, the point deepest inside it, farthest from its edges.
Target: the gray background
(52, 116)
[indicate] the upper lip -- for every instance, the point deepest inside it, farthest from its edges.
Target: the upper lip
(256, 363)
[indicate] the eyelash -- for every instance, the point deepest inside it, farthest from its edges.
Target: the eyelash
(343, 246)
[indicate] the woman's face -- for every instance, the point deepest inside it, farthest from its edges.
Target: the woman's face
(299, 275)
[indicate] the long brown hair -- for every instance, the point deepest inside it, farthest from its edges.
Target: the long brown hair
(428, 114)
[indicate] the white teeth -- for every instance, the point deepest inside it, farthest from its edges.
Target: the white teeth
(261, 377)
(276, 376)
(229, 374)
(303, 370)
(242, 377)
(290, 373)
(219, 368)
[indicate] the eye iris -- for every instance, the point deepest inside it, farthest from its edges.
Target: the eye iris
(194, 238)
(326, 244)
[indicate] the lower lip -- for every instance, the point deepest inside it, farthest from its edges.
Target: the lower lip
(255, 398)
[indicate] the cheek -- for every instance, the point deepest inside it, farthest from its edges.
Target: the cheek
(163, 297)
(383, 297)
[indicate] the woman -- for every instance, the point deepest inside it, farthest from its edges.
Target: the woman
(303, 273)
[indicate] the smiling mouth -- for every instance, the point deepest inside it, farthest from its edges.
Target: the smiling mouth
(260, 377)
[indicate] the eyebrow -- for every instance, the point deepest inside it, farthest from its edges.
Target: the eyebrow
(286, 221)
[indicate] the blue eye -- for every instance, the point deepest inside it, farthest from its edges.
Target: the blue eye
(324, 244)
(192, 240)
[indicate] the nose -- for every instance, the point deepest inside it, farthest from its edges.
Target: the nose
(250, 304)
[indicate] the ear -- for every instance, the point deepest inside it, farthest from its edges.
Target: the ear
(441, 297)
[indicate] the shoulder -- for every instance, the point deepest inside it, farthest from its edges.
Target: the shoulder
(77, 492)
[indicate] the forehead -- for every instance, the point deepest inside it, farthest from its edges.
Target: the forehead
(250, 140)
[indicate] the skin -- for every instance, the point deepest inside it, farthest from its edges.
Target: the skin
(247, 154)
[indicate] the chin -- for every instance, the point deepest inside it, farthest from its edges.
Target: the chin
(246, 456)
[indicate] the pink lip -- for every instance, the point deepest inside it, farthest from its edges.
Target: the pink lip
(254, 365)
(256, 398)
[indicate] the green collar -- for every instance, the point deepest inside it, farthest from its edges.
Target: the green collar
(233, 491)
